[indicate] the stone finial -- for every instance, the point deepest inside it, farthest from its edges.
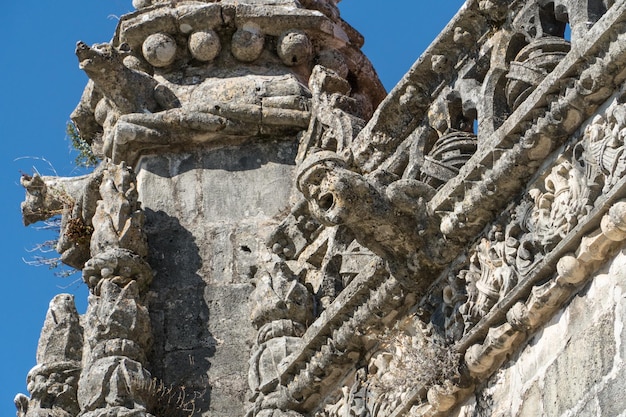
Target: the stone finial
(53, 382)
(61, 338)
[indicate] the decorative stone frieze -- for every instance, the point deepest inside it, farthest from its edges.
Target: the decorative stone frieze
(506, 260)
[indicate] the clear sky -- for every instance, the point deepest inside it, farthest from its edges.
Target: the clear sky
(41, 85)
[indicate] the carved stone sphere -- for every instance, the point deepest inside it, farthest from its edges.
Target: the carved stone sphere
(294, 47)
(101, 111)
(159, 49)
(136, 64)
(139, 4)
(204, 45)
(247, 44)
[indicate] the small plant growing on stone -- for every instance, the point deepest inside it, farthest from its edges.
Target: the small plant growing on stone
(411, 360)
(41, 252)
(85, 158)
(53, 214)
(168, 400)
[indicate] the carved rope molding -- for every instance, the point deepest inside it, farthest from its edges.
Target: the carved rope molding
(547, 118)
(550, 114)
(529, 312)
(532, 303)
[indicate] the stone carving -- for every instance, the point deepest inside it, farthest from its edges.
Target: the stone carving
(531, 65)
(337, 117)
(554, 207)
(447, 156)
(179, 98)
(546, 299)
(355, 400)
(534, 229)
(74, 199)
(603, 142)
(281, 307)
(118, 335)
(538, 46)
(513, 248)
(492, 275)
(450, 207)
(581, 15)
(181, 76)
(567, 197)
(404, 361)
(332, 189)
(53, 382)
(158, 118)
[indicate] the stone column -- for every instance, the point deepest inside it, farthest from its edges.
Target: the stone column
(114, 381)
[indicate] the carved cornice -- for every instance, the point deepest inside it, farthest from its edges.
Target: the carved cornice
(178, 75)
(533, 304)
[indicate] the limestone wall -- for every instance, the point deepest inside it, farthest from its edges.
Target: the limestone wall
(205, 215)
(574, 366)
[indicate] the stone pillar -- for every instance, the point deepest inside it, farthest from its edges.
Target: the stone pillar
(114, 381)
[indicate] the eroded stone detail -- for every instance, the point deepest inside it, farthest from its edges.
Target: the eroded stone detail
(53, 382)
(114, 376)
(177, 100)
(282, 307)
(74, 199)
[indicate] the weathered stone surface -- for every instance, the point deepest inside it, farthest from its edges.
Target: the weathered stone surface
(573, 363)
(53, 382)
(283, 252)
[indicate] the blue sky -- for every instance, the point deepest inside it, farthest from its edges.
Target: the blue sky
(41, 86)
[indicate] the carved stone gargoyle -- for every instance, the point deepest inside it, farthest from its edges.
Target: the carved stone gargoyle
(389, 219)
(72, 198)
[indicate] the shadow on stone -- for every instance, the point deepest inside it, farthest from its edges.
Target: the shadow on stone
(183, 345)
(245, 157)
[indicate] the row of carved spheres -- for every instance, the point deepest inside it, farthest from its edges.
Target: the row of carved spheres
(140, 4)
(293, 47)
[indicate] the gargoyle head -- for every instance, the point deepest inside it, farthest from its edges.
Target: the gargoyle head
(332, 190)
(98, 56)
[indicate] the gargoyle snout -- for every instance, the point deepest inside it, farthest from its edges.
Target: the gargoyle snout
(81, 46)
(82, 50)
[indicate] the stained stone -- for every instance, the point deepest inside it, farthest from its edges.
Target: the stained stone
(204, 46)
